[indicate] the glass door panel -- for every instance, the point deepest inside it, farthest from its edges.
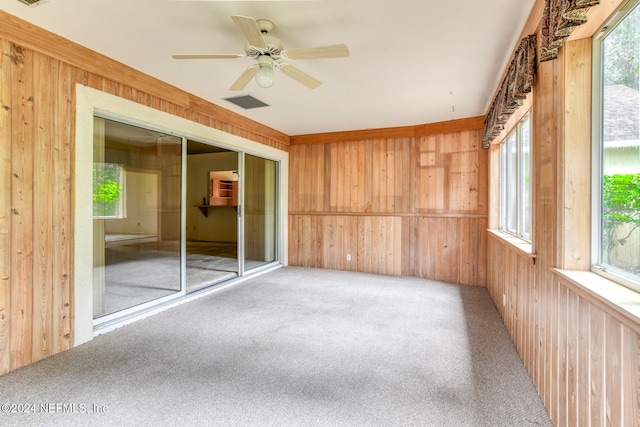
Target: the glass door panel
(136, 216)
(212, 215)
(260, 184)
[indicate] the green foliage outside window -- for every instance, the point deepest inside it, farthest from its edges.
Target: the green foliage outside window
(621, 207)
(107, 190)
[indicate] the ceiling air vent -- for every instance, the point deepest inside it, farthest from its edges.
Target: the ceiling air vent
(30, 2)
(246, 102)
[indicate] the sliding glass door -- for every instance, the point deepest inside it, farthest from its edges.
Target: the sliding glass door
(211, 215)
(172, 216)
(136, 216)
(260, 213)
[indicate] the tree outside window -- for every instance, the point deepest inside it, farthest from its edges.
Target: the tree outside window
(107, 190)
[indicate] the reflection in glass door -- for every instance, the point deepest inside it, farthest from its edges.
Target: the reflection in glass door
(136, 216)
(260, 197)
(211, 214)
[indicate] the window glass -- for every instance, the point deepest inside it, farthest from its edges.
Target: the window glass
(619, 151)
(512, 180)
(525, 168)
(503, 185)
(515, 181)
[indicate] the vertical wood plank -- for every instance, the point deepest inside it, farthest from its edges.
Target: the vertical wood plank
(484, 192)
(562, 356)
(362, 238)
(293, 187)
(379, 243)
(397, 246)
(292, 230)
(22, 208)
(353, 243)
(307, 244)
(346, 180)
(361, 170)
(320, 189)
(597, 351)
(613, 371)
(6, 67)
(375, 176)
(368, 244)
(481, 254)
(304, 178)
(465, 252)
(342, 242)
(368, 178)
(408, 245)
(382, 176)
(430, 254)
(390, 177)
(320, 222)
(575, 174)
(572, 358)
(337, 178)
(583, 392)
(551, 350)
(630, 378)
(355, 184)
(42, 207)
(308, 184)
(400, 192)
(443, 160)
(387, 253)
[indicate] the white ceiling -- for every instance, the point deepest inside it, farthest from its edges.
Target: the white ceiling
(412, 61)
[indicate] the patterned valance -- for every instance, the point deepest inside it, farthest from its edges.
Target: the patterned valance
(559, 19)
(512, 91)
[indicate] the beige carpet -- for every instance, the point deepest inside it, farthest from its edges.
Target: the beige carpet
(293, 347)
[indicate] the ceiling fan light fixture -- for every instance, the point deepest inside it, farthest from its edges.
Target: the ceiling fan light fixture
(264, 76)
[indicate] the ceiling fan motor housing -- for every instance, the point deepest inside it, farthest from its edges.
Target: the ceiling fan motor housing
(264, 25)
(274, 48)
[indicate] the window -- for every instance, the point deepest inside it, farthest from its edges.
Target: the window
(616, 251)
(108, 187)
(515, 180)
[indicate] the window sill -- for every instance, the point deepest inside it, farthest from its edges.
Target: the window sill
(522, 246)
(618, 300)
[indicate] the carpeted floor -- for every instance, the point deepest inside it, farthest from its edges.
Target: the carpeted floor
(293, 347)
(137, 273)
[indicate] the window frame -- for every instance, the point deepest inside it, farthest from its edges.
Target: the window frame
(609, 272)
(521, 230)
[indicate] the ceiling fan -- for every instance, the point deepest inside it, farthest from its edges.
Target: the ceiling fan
(269, 53)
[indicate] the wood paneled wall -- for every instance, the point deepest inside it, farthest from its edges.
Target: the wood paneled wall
(411, 203)
(584, 359)
(582, 354)
(38, 74)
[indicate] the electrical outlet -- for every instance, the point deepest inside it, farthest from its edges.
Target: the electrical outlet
(504, 300)
(348, 257)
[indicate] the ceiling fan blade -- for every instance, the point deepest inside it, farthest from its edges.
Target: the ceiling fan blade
(250, 29)
(300, 76)
(330, 51)
(244, 79)
(207, 56)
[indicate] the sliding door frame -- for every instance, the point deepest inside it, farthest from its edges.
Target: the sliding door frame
(91, 102)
